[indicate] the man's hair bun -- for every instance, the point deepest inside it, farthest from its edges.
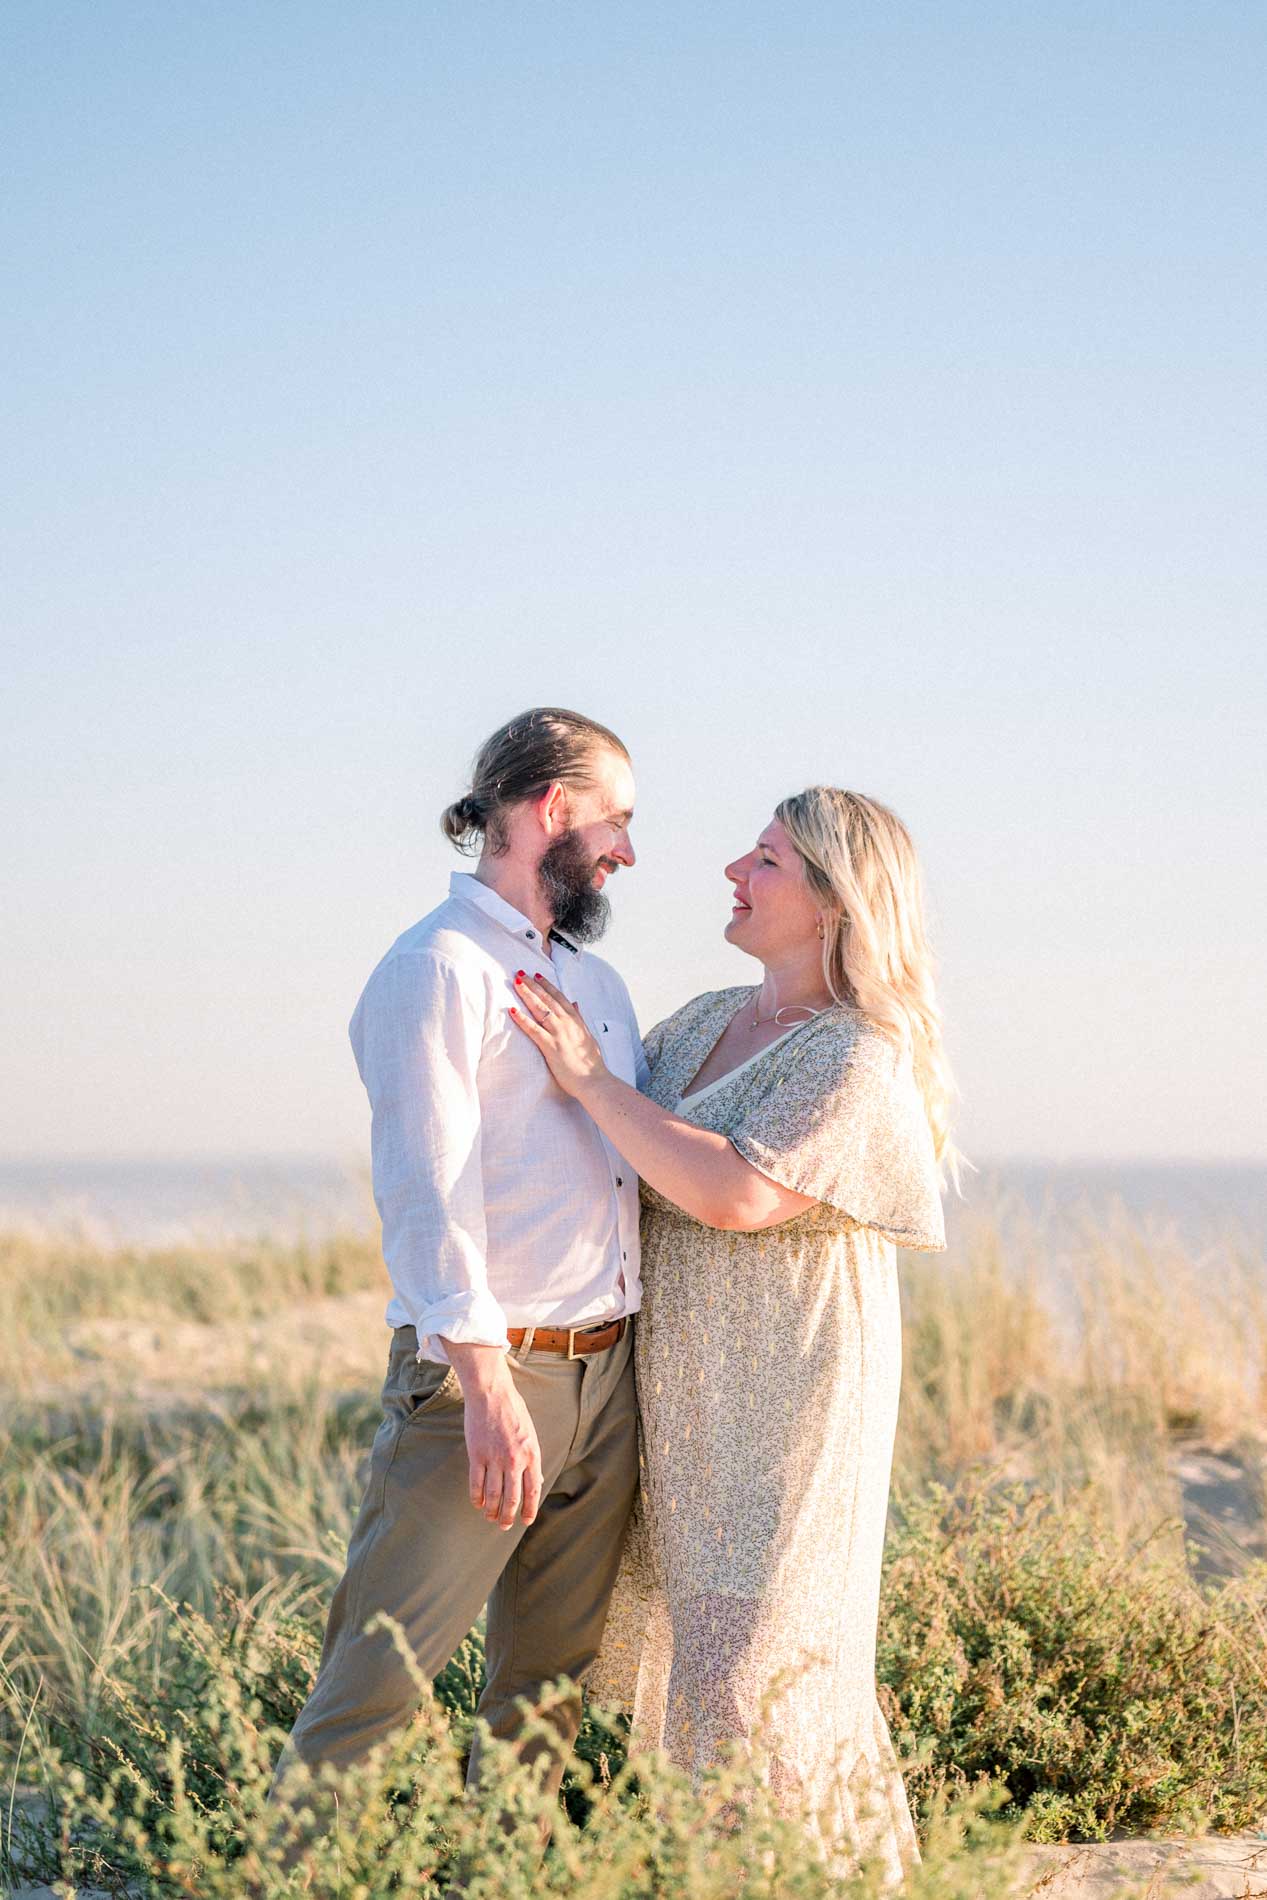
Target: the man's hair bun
(462, 822)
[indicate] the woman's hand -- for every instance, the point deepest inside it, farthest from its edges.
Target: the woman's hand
(699, 1171)
(555, 1025)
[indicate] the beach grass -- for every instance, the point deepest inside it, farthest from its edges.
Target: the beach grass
(1065, 1651)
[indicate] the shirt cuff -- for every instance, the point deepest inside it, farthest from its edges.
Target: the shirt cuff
(473, 1318)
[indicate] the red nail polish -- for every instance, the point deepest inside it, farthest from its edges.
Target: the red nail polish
(518, 974)
(514, 1012)
(538, 978)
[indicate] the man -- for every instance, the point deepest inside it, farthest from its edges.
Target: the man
(505, 1466)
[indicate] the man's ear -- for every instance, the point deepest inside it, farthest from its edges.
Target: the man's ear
(554, 808)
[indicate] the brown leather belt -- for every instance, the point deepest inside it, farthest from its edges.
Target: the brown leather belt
(572, 1340)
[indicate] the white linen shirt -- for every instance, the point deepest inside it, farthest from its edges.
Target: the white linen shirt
(502, 1203)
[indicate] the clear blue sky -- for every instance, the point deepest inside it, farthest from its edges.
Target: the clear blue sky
(868, 393)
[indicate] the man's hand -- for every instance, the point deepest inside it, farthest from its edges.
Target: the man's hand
(501, 1439)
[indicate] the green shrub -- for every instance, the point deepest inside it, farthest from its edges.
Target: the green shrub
(1022, 1660)
(169, 1798)
(1105, 1691)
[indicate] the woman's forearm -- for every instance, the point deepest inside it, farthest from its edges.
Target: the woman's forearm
(697, 1170)
(692, 1167)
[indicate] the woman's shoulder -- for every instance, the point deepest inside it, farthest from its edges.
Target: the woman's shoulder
(846, 1048)
(709, 1000)
(844, 1030)
(698, 1009)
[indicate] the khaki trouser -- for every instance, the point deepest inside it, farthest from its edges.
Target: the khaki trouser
(423, 1554)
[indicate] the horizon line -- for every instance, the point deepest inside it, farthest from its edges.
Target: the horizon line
(329, 1157)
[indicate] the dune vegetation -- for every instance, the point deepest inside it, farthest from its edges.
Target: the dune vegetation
(1073, 1637)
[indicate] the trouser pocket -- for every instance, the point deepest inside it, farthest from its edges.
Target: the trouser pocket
(414, 1386)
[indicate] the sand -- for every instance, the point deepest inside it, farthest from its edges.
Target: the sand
(1210, 1867)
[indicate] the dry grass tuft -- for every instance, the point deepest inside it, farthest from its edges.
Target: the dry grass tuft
(183, 1423)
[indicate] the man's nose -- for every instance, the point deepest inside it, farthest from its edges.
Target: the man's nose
(624, 852)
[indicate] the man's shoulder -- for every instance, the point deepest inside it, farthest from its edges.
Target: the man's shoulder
(439, 944)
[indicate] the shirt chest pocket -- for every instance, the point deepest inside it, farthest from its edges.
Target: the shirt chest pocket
(616, 1042)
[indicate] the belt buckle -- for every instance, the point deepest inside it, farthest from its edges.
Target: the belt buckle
(595, 1326)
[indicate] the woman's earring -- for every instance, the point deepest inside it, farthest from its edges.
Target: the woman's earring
(821, 932)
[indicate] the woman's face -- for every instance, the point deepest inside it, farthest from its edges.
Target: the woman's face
(775, 914)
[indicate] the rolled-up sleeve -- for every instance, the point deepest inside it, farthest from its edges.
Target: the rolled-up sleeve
(417, 1034)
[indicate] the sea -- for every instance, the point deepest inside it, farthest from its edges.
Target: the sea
(177, 1200)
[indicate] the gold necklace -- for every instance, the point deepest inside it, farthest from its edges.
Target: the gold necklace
(808, 1007)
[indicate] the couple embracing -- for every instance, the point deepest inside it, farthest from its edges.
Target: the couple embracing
(774, 1143)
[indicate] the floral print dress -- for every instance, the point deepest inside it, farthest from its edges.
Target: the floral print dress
(768, 1368)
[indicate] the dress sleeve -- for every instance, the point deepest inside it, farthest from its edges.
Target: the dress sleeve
(842, 1120)
(653, 1045)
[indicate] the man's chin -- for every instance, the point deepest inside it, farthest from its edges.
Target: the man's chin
(585, 921)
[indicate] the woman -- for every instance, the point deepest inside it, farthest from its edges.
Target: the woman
(790, 1139)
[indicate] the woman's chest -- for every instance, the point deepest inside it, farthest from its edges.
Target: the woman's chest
(718, 1107)
(736, 1050)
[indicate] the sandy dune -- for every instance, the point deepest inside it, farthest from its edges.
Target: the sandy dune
(341, 1341)
(1211, 1867)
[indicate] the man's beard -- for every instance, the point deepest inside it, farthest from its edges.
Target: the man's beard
(566, 873)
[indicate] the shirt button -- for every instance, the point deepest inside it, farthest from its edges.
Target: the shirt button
(620, 1180)
(531, 934)
(624, 1256)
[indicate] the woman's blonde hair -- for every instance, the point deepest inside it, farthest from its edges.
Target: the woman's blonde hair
(861, 865)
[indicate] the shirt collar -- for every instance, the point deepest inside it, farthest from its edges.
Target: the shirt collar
(465, 884)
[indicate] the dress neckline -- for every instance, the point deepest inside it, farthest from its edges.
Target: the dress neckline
(698, 1095)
